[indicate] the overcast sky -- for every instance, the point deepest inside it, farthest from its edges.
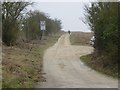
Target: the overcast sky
(71, 14)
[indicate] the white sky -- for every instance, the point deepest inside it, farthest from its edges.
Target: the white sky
(70, 14)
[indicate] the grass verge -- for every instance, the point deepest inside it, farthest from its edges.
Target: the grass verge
(108, 70)
(22, 66)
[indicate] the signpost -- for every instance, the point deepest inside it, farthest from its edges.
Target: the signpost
(42, 27)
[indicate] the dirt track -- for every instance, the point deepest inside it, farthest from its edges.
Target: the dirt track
(64, 69)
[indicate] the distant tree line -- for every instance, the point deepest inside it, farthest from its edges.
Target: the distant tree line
(32, 25)
(102, 18)
(17, 21)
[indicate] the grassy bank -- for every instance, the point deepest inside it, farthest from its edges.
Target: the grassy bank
(96, 62)
(109, 70)
(22, 65)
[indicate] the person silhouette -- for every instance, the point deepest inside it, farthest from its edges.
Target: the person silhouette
(69, 31)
